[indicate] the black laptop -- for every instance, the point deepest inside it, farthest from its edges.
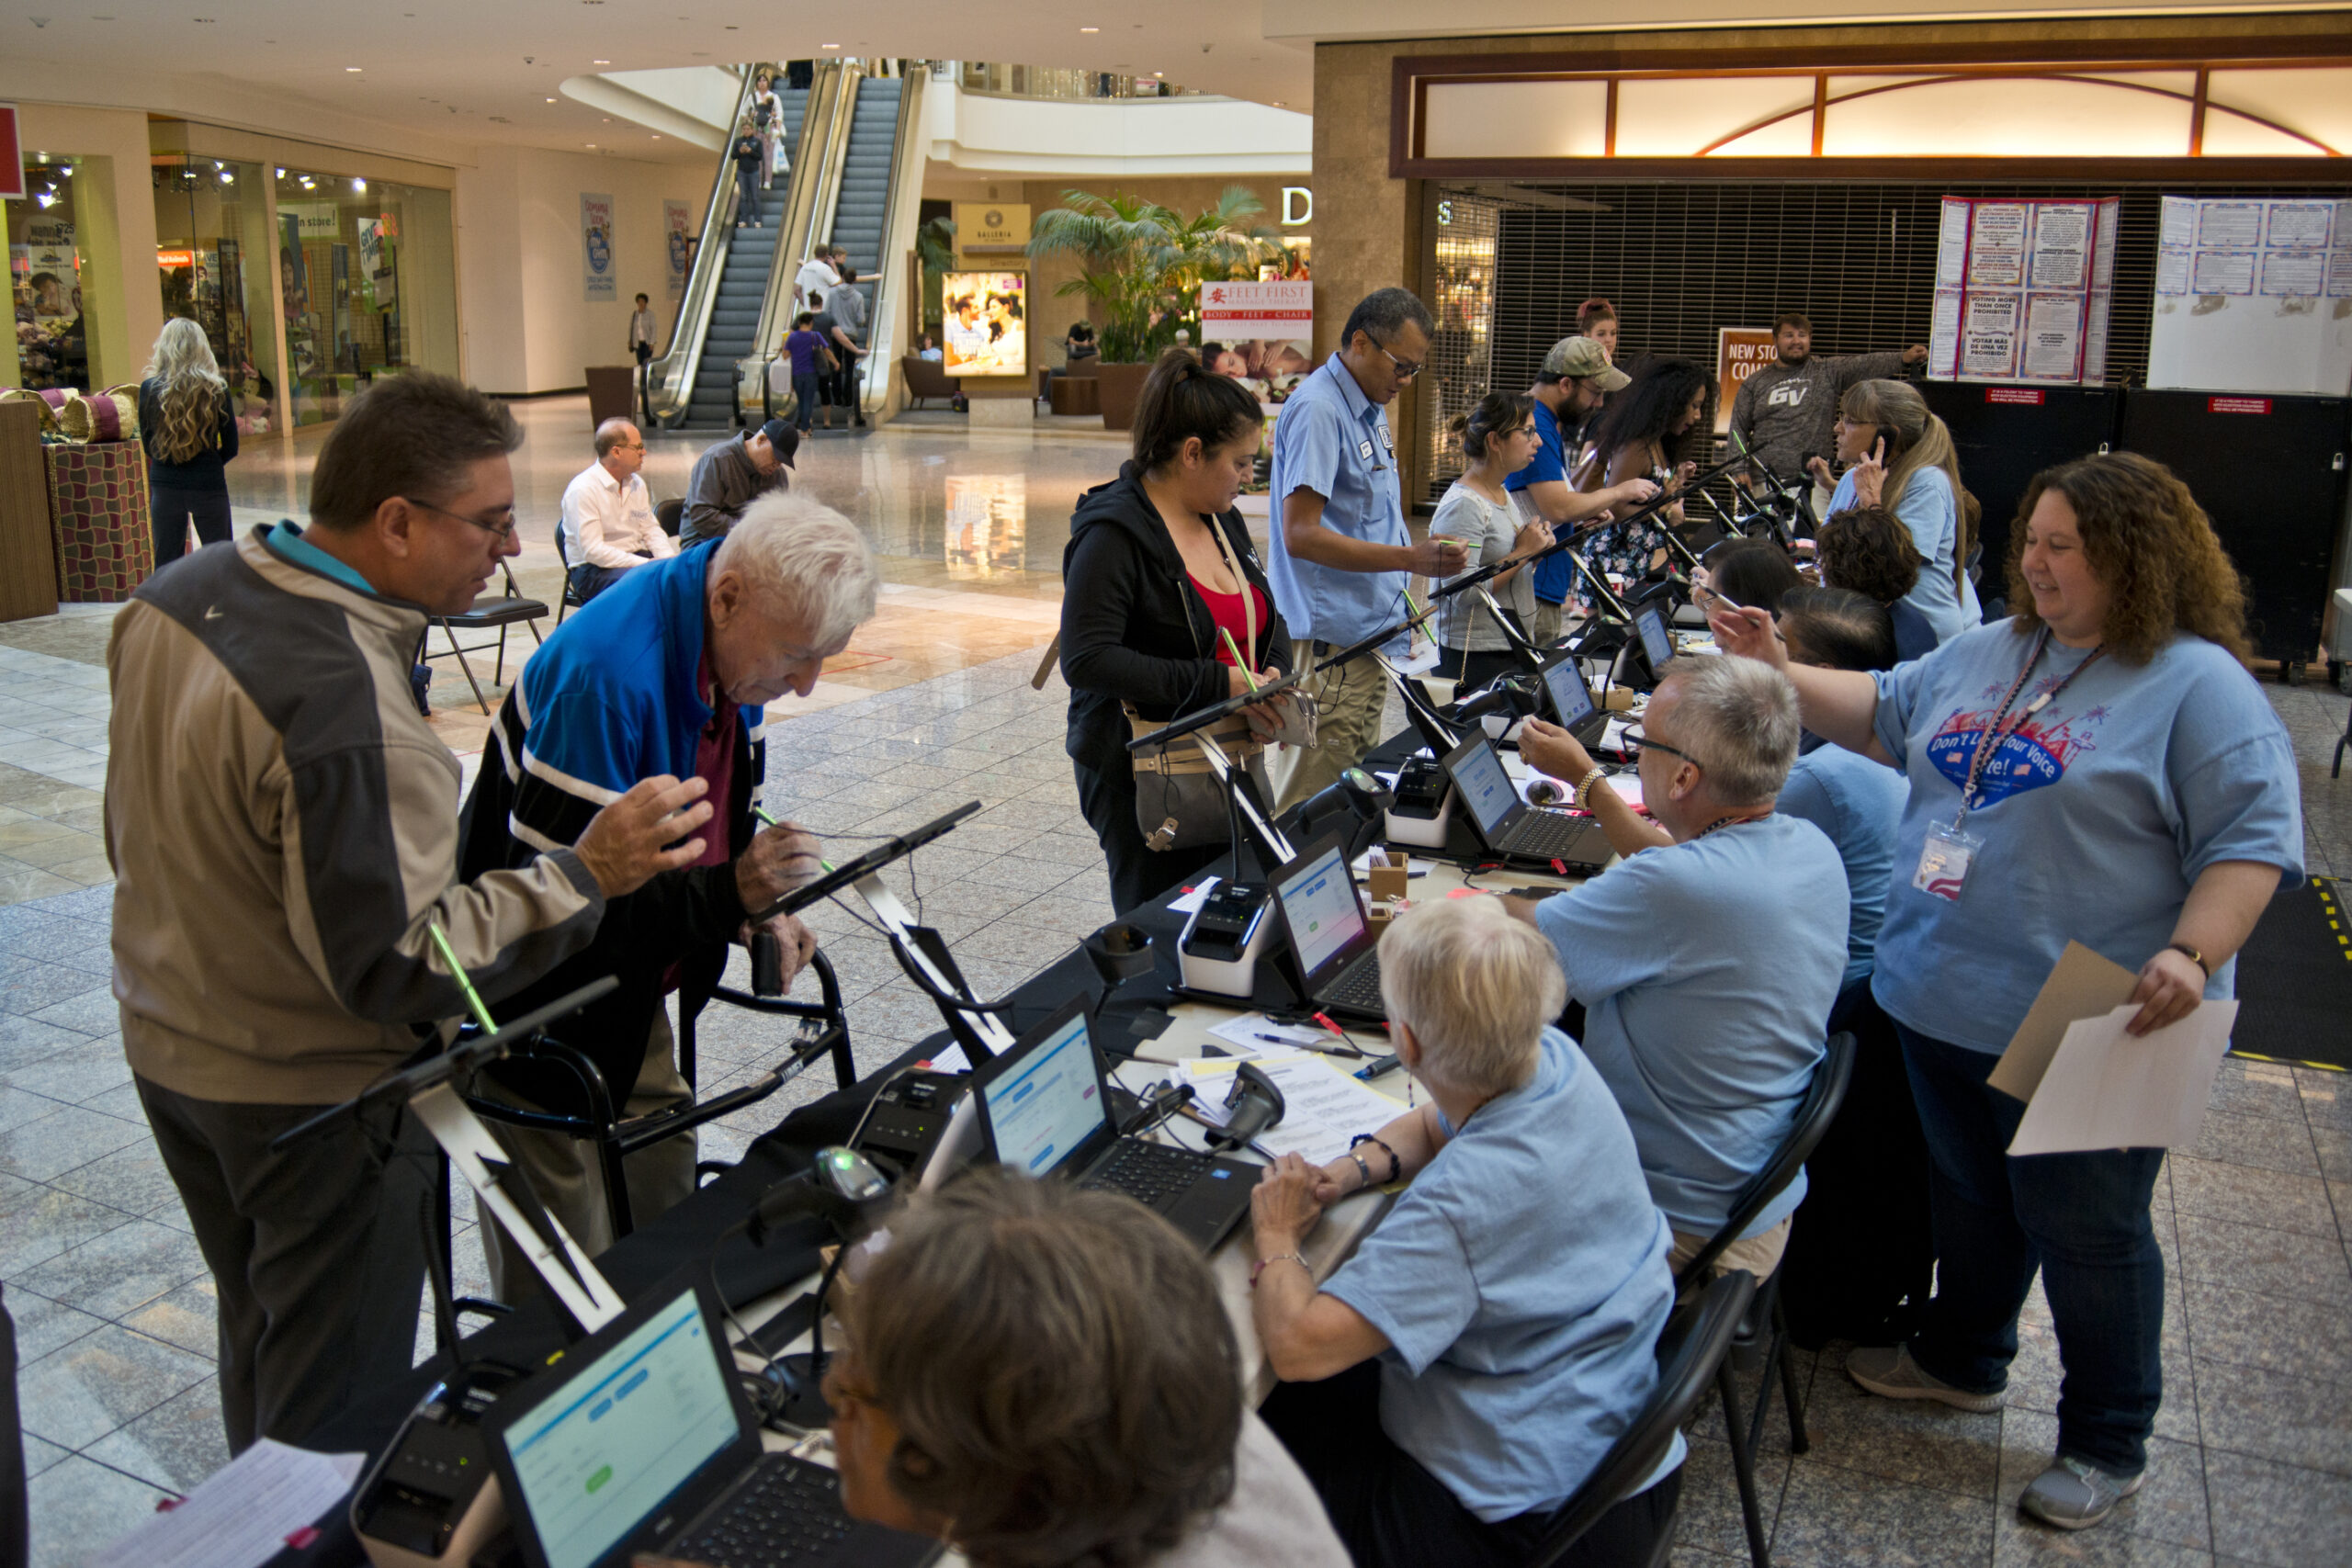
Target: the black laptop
(639, 1439)
(1331, 937)
(1657, 643)
(1538, 835)
(1045, 1107)
(1570, 701)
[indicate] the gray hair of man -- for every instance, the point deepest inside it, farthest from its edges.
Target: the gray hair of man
(1475, 987)
(797, 550)
(1739, 719)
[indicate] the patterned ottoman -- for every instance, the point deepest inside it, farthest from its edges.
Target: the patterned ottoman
(98, 510)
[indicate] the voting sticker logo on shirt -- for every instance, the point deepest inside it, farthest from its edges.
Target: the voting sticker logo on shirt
(2035, 755)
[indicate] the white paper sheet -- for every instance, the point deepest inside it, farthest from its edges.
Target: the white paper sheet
(1323, 1106)
(241, 1515)
(1195, 898)
(1254, 1035)
(2106, 1090)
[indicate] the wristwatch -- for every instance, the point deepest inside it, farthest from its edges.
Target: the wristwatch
(1584, 786)
(2192, 955)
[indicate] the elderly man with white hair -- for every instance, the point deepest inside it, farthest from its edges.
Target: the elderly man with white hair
(671, 667)
(1463, 1374)
(1709, 956)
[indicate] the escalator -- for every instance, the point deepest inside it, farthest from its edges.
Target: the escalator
(732, 333)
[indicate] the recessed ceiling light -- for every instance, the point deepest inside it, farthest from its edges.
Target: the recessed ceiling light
(592, 144)
(657, 136)
(600, 63)
(550, 100)
(828, 46)
(1279, 104)
(359, 186)
(1160, 73)
(354, 70)
(1090, 30)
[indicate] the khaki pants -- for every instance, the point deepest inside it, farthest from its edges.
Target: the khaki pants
(1347, 701)
(1544, 629)
(569, 1181)
(1759, 1254)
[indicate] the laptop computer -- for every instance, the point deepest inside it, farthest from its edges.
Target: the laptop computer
(1570, 702)
(1045, 1107)
(1657, 643)
(640, 1439)
(1332, 939)
(1514, 830)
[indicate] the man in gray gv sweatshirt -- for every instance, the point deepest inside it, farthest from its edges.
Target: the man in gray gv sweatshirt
(1784, 411)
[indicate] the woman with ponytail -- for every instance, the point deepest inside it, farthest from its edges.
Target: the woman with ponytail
(1160, 588)
(1499, 438)
(1900, 457)
(188, 425)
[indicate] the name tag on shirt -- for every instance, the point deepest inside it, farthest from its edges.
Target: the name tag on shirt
(1363, 448)
(1386, 440)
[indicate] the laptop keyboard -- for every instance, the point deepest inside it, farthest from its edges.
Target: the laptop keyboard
(1147, 1172)
(1358, 988)
(1548, 836)
(788, 1512)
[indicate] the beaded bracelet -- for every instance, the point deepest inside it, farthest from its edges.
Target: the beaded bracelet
(1277, 1257)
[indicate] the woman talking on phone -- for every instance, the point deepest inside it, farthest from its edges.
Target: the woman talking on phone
(2101, 769)
(1900, 456)
(1160, 590)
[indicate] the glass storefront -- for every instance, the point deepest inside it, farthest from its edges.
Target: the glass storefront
(367, 280)
(46, 274)
(211, 227)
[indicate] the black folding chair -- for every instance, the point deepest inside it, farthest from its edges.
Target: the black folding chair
(1689, 1353)
(571, 599)
(1765, 1317)
(667, 513)
(500, 613)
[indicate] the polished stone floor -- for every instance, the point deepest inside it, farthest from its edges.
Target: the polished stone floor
(933, 707)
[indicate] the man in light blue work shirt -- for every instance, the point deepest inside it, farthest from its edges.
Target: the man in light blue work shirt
(1341, 556)
(1708, 958)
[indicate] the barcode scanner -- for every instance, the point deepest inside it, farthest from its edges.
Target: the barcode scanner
(1255, 1103)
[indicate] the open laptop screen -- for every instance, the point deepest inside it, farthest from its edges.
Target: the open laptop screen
(1654, 641)
(1320, 903)
(1048, 1101)
(1571, 699)
(1485, 787)
(612, 1442)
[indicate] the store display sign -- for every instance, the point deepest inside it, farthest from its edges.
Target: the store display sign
(313, 220)
(175, 257)
(2237, 405)
(52, 269)
(12, 155)
(1740, 351)
(1264, 333)
(988, 229)
(987, 330)
(678, 243)
(2023, 290)
(597, 267)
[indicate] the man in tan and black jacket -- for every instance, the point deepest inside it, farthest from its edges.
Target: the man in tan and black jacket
(283, 827)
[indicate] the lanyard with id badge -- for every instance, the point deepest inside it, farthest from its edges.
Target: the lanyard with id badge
(1950, 848)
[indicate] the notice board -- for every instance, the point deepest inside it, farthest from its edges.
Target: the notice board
(2253, 296)
(2024, 290)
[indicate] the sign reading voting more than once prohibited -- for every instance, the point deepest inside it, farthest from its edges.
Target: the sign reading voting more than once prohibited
(2024, 290)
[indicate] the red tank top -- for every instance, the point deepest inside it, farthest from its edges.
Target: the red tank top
(1226, 610)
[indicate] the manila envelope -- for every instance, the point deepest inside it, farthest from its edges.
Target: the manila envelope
(2083, 985)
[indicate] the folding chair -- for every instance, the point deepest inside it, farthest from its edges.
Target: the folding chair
(501, 613)
(571, 599)
(1766, 1318)
(1690, 1352)
(667, 513)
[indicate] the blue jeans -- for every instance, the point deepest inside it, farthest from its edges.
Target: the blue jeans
(805, 389)
(2081, 1219)
(588, 581)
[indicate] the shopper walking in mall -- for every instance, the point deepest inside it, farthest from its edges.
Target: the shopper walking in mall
(1499, 438)
(1160, 589)
(767, 116)
(1900, 456)
(1341, 556)
(749, 153)
(2116, 780)
(187, 423)
(1636, 438)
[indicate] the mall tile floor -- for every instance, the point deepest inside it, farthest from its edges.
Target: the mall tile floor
(933, 707)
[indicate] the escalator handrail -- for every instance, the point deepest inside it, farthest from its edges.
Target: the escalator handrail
(671, 376)
(832, 107)
(879, 328)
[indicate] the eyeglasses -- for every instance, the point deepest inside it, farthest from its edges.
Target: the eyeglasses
(1636, 742)
(1525, 429)
(1406, 369)
(501, 531)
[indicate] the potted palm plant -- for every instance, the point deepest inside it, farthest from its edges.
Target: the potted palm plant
(1143, 264)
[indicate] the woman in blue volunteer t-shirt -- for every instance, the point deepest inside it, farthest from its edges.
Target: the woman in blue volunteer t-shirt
(2139, 797)
(1902, 458)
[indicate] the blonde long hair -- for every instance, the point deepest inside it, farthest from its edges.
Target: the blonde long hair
(191, 393)
(1921, 441)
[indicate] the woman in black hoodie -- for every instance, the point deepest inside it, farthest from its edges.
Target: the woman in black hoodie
(1145, 591)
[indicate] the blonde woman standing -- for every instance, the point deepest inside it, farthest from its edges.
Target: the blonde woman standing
(187, 423)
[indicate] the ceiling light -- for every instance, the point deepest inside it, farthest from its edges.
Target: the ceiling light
(1090, 30)
(592, 144)
(360, 187)
(657, 136)
(281, 173)
(1279, 104)
(1160, 73)
(47, 199)
(828, 46)
(353, 69)
(550, 100)
(600, 63)
(228, 178)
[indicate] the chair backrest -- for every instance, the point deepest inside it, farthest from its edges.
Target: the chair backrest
(667, 513)
(1822, 1100)
(1693, 1345)
(562, 555)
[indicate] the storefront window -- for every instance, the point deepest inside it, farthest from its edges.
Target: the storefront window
(367, 279)
(46, 275)
(212, 223)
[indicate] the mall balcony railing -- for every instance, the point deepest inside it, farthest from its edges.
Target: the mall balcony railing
(1058, 84)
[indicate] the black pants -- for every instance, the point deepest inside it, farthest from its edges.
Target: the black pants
(15, 1516)
(318, 1253)
(747, 191)
(1390, 1511)
(1138, 875)
(174, 509)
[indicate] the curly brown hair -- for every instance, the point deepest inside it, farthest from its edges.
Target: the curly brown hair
(2150, 544)
(1869, 550)
(1062, 1373)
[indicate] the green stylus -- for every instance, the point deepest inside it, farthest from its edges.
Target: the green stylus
(772, 822)
(465, 984)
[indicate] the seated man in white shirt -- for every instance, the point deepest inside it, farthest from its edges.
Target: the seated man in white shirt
(608, 524)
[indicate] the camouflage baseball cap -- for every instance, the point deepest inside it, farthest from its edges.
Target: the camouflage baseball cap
(1584, 358)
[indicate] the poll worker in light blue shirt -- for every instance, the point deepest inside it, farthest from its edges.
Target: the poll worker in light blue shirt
(1709, 956)
(2140, 798)
(1902, 459)
(1467, 1370)
(1341, 556)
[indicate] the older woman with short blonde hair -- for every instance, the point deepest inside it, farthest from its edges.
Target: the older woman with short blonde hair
(1457, 1382)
